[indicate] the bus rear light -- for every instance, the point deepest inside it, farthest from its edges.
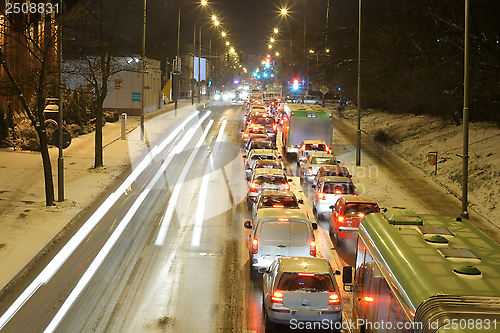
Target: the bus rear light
(255, 246)
(334, 299)
(368, 299)
(312, 248)
(277, 297)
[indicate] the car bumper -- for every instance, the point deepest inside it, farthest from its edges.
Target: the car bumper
(323, 207)
(347, 232)
(287, 316)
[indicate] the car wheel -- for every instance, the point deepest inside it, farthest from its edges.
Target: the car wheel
(268, 323)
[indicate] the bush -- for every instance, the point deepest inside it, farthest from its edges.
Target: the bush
(27, 136)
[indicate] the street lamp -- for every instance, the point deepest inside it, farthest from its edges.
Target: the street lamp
(177, 69)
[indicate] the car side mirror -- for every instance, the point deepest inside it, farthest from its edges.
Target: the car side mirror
(290, 180)
(284, 169)
(337, 272)
(280, 157)
(247, 224)
(315, 226)
(331, 207)
(244, 155)
(347, 278)
(300, 201)
(313, 186)
(338, 161)
(242, 131)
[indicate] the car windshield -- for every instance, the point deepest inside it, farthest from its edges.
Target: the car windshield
(338, 188)
(261, 145)
(262, 121)
(322, 160)
(315, 147)
(278, 202)
(363, 208)
(301, 281)
(270, 179)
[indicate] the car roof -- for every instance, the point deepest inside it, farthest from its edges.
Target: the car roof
(357, 199)
(268, 162)
(313, 141)
(266, 171)
(275, 213)
(255, 126)
(262, 152)
(304, 264)
(334, 168)
(336, 179)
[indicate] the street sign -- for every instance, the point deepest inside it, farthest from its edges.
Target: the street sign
(66, 138)
(118, 84)
(324, 89)
(136, 97)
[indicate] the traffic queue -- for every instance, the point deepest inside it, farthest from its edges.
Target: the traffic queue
(297, 285)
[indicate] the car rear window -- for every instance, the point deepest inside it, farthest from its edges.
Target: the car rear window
(267, 166)
(299, 232)
(338, 188)
(315, 147)
(274, 231)
(261, 145)
(322, 160)
(363, 208)
(263, 157)
(256, 130)
(279, 202)
(294, 282)
(271, 179)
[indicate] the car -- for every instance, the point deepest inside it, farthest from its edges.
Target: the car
(309, 168)
(311, 146)
(275, 199)
(265, 164)
(315, 100)
(255, 129)
(277, 233)
(331, 170)
(256, 137)
(301, 289)
(258, 143)
(259, 154)
(347, 213)
(328, 191)
(268, 122)
(266, 180)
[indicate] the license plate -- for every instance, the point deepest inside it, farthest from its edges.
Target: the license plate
(305, 314)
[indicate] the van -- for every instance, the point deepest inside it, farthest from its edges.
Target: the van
(279, 233)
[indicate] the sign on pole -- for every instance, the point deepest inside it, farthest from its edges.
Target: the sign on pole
(136, 97)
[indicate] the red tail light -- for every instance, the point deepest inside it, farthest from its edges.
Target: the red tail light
(321, 196)
(252, 187)
(312, 248)
(287, 187)
(306, 274)
(361, 215)
(277, 297)
(368, 299)
(310, 170)
(278, 206)
(245, 135)
(275, 128)
(248, 166)
(340, 219)
(334, 299)
(255, 246)
(338, 191)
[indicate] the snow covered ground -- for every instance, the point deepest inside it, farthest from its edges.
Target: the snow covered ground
(413, 137)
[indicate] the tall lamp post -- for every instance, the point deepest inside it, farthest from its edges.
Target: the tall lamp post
(177, 69)
(358, 133)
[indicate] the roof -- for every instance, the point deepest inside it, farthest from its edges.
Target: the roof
(268, 162)
(277, 193)
(336, 179)
(357, 199)
(333, 168)
(414, 264)
(320, 155)
(304, 264)
(275, 213)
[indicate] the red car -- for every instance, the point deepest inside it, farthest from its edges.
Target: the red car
(346, 215)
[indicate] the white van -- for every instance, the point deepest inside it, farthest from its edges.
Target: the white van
(280, 233)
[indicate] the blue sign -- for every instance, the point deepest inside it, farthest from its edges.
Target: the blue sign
(136, 97)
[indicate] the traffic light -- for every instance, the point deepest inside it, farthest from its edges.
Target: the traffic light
(284, 63)
(227, 57)
(296, 84)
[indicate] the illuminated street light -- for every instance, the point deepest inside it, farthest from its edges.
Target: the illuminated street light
(270, 46)
(276, 30)
(277, 53)
(284, 11)
(327, 50)
(272, 40)
(231, 50)
(311, 51)
(227, 43)
(223, 34)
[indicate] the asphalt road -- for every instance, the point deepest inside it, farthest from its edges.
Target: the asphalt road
(163, 268)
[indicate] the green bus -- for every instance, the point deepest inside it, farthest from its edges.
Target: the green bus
(425, 273)
(305, 122)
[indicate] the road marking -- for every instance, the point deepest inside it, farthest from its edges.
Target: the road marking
(200, 209)
(177, 189)
(68, 249)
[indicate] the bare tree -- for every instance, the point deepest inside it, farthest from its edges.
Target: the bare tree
(28, 59)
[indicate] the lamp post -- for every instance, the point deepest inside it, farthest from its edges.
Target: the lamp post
(177, 69)
(358, 132)
(465, 143)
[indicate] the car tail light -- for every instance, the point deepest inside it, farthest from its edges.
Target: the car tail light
(312, 248)
(321, 196)
(306, 274)
(277, 297)
(361, 215)
(368, 299)
(282, 219)
(338, 191)
(293, 113)
(248, 166)
(340, 219)
(278, 206)
(245, 135)
(253, 186)
(334, 299)
(255, 246)
(287, 187)
(310, 170)
(275, 128)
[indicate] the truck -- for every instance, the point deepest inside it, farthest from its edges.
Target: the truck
(274, 91)
(305, 122)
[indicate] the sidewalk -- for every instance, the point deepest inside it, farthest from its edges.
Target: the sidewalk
(27, 225)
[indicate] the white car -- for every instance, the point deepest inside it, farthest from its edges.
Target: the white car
(309, 168)
(275, 199)
(312, 147)
(257, 155)
(266, 180)
(328, 191)
(254, 129)
(298, 289)
(279, 232)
